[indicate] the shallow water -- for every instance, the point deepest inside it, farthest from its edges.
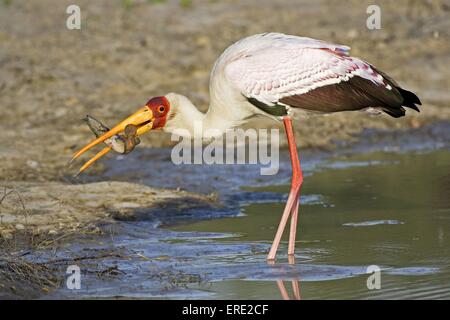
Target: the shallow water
(383, 203)
(393, 212)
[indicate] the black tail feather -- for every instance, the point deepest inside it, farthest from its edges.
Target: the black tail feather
(395, 112)
(409, 100)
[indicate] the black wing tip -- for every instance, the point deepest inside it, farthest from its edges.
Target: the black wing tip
(410, 99)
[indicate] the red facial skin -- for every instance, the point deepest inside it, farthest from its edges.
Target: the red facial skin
(160, 107)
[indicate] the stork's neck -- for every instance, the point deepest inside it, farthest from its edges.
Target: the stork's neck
(185, 119)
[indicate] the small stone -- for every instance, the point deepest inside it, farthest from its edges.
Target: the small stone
(352, 34)
(71, 101)
(52, 231)
(414, 123)
(203, 41)
(33, 164)
(126, 205)
(20, 226)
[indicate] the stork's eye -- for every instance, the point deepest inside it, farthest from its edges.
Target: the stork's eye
(161, 109)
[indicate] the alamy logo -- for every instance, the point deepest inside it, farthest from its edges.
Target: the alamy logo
(374, 280)
(373, 22)
(235, 146)
(73, 21)
(74, 280)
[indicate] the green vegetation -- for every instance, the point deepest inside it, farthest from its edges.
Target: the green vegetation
(186, 3)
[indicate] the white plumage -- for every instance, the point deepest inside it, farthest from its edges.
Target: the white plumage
(269, 67)
(274, 67)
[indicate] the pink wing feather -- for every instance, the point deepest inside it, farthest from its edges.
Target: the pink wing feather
(271, 67)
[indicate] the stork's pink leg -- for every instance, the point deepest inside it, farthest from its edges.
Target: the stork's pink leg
(292, 202)
(293, 229)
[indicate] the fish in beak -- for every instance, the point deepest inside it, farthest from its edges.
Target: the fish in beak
(119, 143)
(116, 142)
(130, 128)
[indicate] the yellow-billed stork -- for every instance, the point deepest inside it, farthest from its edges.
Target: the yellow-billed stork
(274, 74)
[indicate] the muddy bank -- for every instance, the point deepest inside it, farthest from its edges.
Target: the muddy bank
(56, 209)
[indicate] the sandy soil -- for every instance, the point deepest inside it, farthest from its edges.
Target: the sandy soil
(51, 77)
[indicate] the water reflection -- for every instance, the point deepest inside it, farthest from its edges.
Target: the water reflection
(294, 282)
(392, 213)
